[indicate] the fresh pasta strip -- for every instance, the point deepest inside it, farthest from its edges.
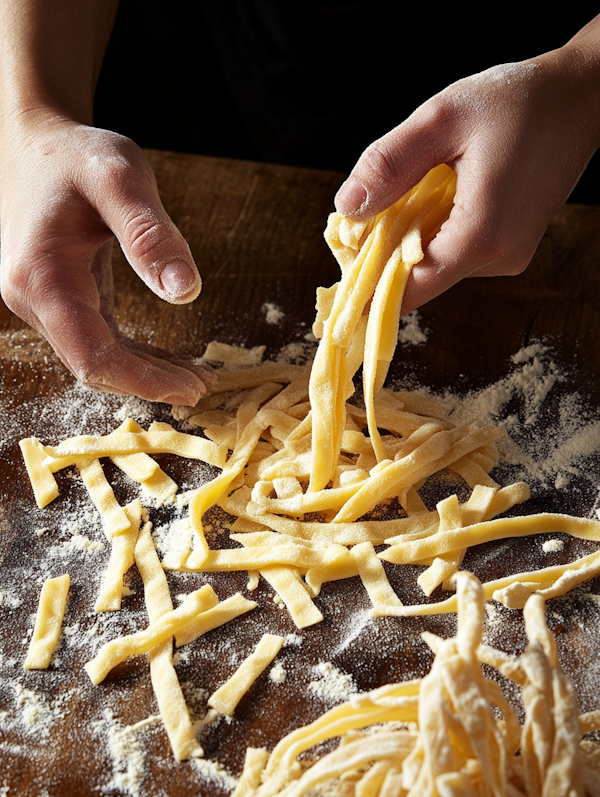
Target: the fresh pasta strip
(501, 501)
(345, 567)
(138, 467)
(501, 528)
(145, 470)
(222, 613)
(439, 451)
(121, 559)
(472, 472)
(286, 582)
(251, 423)
(256, 758)
(329, 385)
(384, 314)
(118, 650)
(48, 622)
(453, 516)
(114, 518)
(45, 488)
(388, 748)
(208, 495)
(254, 377)
(161, 487)
(226, 698)
(242, 379)
(167, 442)
(167, 689)
(513, 590)
(373, 575)
(288, 553)
(375, 531)
(282, 765)
(457, 744)
(293, 592)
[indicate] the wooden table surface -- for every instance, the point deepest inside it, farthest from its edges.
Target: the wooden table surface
(256, 232)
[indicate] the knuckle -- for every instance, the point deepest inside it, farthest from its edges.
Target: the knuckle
(122, 164)
(116, 172)
(21, 284)
(379, 160)
(146, 236)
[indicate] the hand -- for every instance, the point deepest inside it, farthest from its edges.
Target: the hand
(518, 136)
(65, 189)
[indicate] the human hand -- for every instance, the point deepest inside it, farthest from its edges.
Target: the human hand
(65, 189)
(518, 137)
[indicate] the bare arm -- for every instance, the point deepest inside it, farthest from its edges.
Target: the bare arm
(518, 136)
(66, 188)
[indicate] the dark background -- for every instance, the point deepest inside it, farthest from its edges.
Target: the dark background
(305, 83)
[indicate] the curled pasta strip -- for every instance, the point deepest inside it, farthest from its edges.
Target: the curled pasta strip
(456, 744)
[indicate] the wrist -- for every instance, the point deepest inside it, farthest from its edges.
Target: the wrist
(575, 70)
(50, 57)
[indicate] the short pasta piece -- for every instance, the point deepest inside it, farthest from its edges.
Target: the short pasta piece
(226, 698)
(48, 622)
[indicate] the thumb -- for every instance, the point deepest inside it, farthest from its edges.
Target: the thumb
(391, 166)
(126, 197)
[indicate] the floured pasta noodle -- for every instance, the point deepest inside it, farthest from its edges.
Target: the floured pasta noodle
(318, 483)
(226, 698)
(48, 622)
(440, 735)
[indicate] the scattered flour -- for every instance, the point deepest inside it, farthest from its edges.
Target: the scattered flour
(212, 770)
(127, 753)
(333, 684)
(297, 353)
(523, 400)
(137, 409)
(410, 331)
(273, 313)
(36, 715)
(277, 674)
(10, 600)
(83, 543)
(553, 546)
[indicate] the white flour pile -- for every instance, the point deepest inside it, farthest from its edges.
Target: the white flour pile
(550, 439)
(332, 684)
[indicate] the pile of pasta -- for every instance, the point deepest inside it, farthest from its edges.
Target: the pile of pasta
(439, 735)
(320, 484)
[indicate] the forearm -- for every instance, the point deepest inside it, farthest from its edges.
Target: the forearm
(576, 69)
(50, 55)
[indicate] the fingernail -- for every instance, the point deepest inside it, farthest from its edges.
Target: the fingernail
(177, 278)
(351, 196)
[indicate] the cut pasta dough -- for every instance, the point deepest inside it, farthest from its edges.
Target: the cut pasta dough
(226, 698)
(48, 622)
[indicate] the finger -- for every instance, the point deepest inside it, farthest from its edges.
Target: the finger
(123, 191)
(69, 317)
(146, 350)
(393, 164)
(471, 243)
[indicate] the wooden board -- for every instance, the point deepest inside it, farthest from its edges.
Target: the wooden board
(256, 231)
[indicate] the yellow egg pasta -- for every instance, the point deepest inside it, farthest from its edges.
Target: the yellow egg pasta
(48, 622)
(226, 698)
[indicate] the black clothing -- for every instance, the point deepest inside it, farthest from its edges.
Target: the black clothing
(303, 82)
